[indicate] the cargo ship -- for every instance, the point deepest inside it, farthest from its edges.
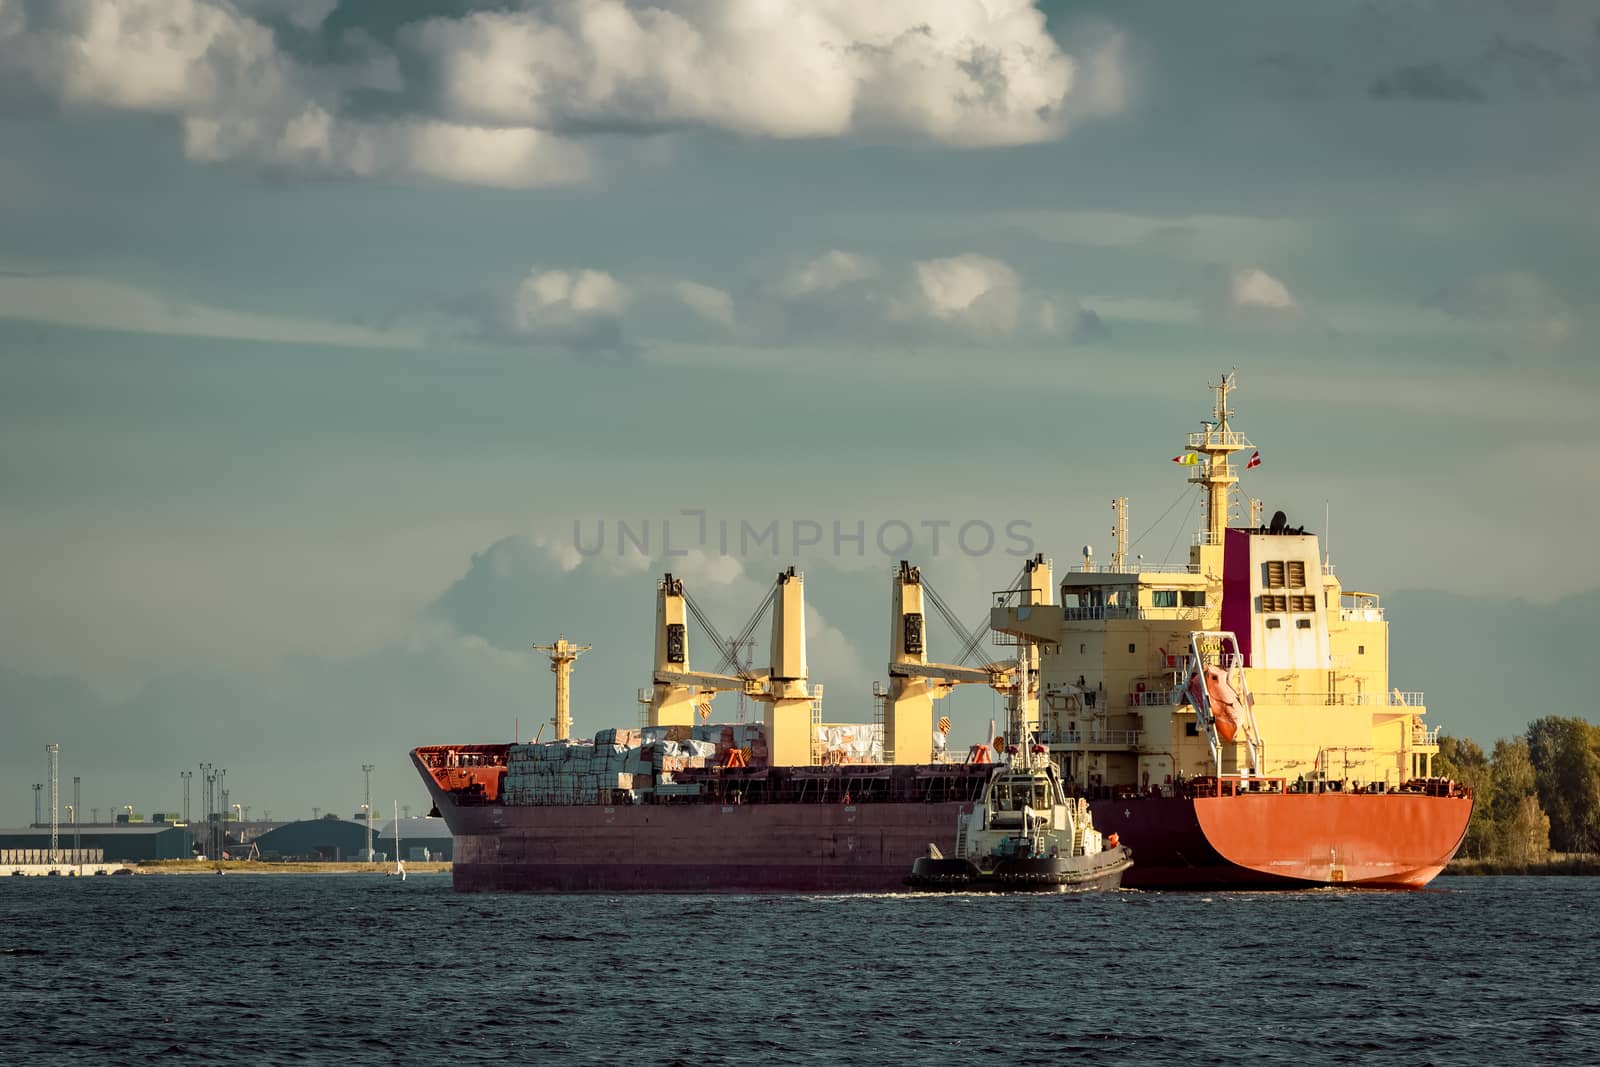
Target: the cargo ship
(1230, 719)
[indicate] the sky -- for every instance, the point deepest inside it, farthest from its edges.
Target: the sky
(335, 335)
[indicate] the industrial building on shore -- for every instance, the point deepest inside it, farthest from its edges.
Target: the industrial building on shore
(127, 842)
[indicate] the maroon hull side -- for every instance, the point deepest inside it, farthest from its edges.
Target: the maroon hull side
(697, 847)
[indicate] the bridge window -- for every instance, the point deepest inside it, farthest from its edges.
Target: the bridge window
(1194, 598)
(1163, 598)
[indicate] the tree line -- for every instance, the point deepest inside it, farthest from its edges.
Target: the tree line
(1533, 794)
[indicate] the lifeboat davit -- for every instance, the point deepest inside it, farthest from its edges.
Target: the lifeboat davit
(1224, 701)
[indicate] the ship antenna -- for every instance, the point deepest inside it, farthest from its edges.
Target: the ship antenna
(1216, 475)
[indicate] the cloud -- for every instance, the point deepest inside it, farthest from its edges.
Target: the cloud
(577, 309)
(510, 98)
(711, 304)
(239, 97)
(1200, 238)
(965, 297)
(1088, 328)
(1425, 81)
(304, 15)
(94, 304)
(1254, 288)
(1522, 302)
(827, 272)
(977, 292)
(1567, 62)
(959, 72)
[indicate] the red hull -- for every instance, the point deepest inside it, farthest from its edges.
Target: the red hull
(1250, 841)
(1387, 840)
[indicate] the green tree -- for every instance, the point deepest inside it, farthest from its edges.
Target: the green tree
(1522, 836)
(1565, 754)
(1461, 758)
(1513, 777)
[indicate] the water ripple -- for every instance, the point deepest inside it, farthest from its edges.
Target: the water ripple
(352, 971)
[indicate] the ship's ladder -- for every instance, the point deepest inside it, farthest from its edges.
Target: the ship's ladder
(1080, 827)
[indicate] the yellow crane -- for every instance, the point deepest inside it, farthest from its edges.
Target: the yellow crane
(562, 654)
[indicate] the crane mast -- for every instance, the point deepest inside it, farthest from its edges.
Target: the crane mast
(563, 654)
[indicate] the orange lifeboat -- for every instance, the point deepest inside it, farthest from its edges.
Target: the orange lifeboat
(1224, 701)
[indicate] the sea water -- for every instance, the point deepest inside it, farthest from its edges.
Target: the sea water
(364, 969)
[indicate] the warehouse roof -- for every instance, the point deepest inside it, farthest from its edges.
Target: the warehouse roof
(66, 829)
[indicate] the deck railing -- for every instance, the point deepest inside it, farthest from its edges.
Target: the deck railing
(1128, 738)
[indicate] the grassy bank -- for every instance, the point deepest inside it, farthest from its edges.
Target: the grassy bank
(1558, 863)
(260, 867)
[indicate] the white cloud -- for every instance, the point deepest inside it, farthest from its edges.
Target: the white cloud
(503, 98)
(239, 97)
(1252, 287)
(102, 305)
(577, 309)
(827, 272)
(711, 304)
(975, 291)
(964, 72)
(963, 298)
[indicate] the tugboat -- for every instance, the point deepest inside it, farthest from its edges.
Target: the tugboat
(1024, 834)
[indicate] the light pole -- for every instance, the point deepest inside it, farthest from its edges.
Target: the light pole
(72, 817)
(366, 808)
(222, 810)
(55, 799)
(76, 841)
(208, 781)
(37, 816)
(186, 775)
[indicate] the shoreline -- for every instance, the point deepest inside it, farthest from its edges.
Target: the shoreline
(192, 867)
(1572, 863)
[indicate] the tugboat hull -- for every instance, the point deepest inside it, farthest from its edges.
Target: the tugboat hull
(1023, 874)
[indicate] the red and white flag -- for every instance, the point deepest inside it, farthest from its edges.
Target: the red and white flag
(1255, 460)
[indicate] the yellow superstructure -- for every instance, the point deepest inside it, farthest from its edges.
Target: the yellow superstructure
(1114, 654)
